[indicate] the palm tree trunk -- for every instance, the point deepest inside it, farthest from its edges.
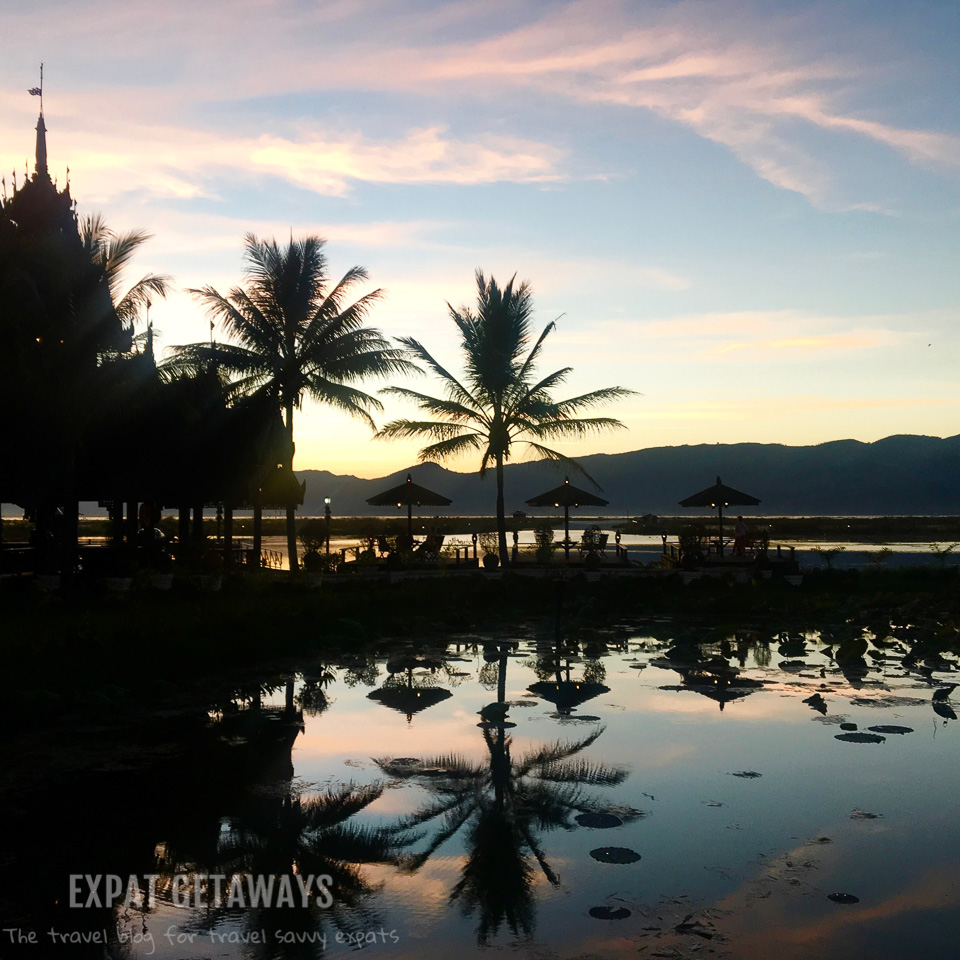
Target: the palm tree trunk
(291, 509)
(501, 516)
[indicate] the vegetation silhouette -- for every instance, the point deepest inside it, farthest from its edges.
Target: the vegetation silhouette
(499, 401)
(296, 336)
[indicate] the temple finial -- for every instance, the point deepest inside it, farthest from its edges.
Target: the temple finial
(41, 166)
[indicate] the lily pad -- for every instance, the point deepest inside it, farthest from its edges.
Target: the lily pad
(848, 726)
(860, 737)
(843, 898)
(817, 702)
(615, 855)
(599, 821)
(890, 728)
(859, 814)
(605, 913)
(747, 774)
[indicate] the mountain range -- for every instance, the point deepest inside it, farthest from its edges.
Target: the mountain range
(899, 475)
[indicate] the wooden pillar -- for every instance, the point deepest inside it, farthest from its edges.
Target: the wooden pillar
(227, 535)
(183, 526)
(131, 524)
(116, 522)
(69, 543)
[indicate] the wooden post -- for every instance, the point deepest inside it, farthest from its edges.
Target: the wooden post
(183, 526)
(228, 535)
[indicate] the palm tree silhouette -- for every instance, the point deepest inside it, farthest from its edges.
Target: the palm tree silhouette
(295, 336)
(503, 803)
(499, 401)
(111, 252)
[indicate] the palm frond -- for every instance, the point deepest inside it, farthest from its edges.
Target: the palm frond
(452, 447)
(549, 429)
(140, 296)
(436, 406)
(582, 772)
(455, 389)
(524, 373)
(554, 752)
(571, 465)
(593, 399)
(412, 429)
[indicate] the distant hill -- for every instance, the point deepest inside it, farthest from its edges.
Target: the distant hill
(899, 475)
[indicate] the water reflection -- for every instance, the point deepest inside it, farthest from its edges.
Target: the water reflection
(269, 829)
(477, 826)
(412, 685)
(502, 804)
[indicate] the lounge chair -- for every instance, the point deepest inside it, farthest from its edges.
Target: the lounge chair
(590, 545)
(430, 548)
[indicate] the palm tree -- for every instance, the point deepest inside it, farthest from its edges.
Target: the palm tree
(295, 336)
(499, 401)
(111, 252)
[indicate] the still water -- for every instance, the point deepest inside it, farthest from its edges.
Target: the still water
(653, 790)
(647, 548)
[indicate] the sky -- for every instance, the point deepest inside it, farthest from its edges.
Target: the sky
(749, 213)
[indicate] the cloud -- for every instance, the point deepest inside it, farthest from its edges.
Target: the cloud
(810, 344)
(182, 163)
(757, 96)
(757, 84)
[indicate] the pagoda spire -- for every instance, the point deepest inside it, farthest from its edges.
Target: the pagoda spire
(41, 165)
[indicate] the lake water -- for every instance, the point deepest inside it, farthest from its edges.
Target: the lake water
(646, 548)
(654, 790)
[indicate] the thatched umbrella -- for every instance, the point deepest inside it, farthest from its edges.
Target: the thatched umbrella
(567, 496)
(410, 494)
(720, 496)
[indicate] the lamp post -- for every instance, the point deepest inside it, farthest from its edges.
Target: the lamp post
(326, 514)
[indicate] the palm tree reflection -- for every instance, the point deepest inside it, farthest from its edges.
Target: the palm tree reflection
(271, 829)
(502, 803)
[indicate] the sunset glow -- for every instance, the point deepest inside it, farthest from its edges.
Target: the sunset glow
(746, 212)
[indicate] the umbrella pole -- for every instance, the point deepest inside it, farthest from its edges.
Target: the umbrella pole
(566, 532)
(720, 509)
(410, 520)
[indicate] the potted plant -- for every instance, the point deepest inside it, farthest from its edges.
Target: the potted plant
(488, 543)
(543, 534)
